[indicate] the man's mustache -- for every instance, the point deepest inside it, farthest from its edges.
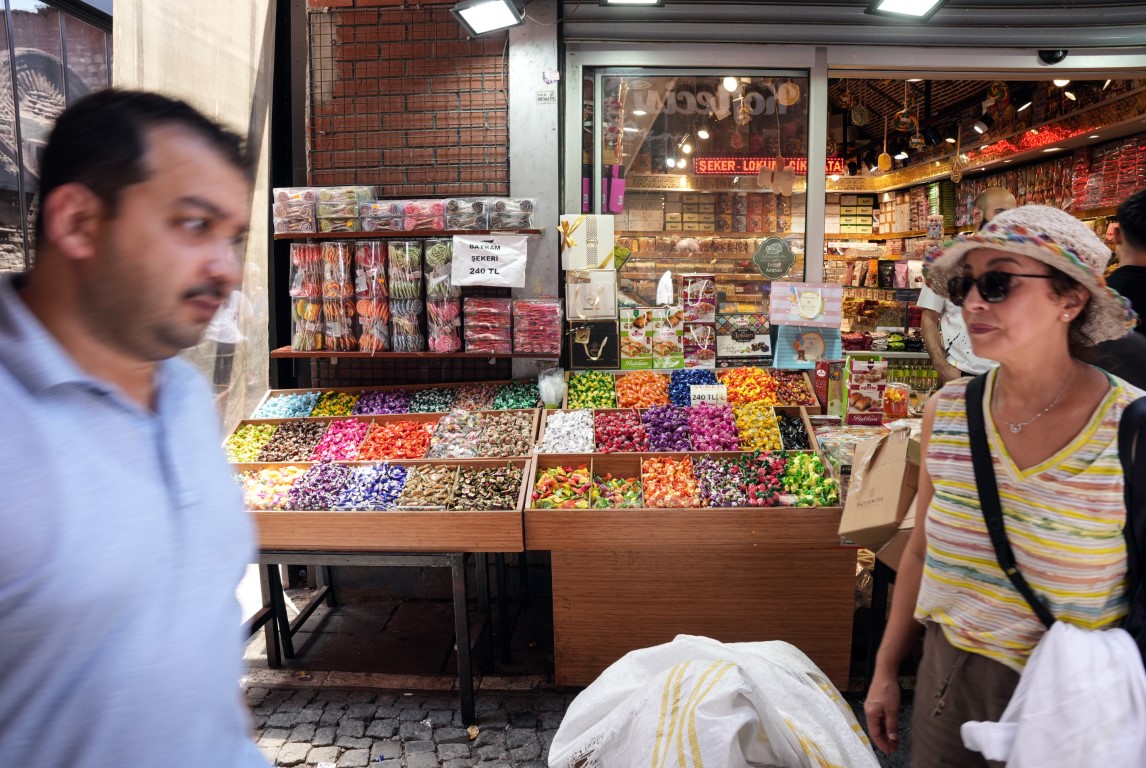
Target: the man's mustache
(209, 290)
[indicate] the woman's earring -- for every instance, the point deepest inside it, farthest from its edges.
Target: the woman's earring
(1066, 316)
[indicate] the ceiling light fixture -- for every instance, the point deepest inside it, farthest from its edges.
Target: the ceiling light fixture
(670, 162)
(685, 145)
(480, 17)
(983, 124)
(731, 84)
(1070, 95)
(921, 10)
(702, 132)
(639, 113)
(949, 134)
(1092, 136)
(834, 177)
(1106, 85)
(1053, 149)
(902, 155)
(682, 163)
(633, 2)
(1023, 98)
(1061, 83)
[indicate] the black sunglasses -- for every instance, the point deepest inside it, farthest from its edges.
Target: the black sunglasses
(993, 286)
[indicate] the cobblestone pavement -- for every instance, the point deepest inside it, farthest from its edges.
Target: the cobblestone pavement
(320, 727)
(415, 730)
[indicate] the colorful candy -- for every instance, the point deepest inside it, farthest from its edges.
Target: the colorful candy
(721, 482)
(340, 441)
(749, 385)
(489, 488)
(764, 478)
(320, 488)
(517, 395)
(683, 379)
(376, 403)
(792, 432)
(293, 441)
(806, 478)
(616, 492)
(757, 425)
(428, 486)
(397, 440)
(792, 388)
(619, 432)
(475, 397)
(374, 488)
(592, 389)
(268, 488)
(335, 404)
(642, 389)
(713, 428)
(456, 436)
(506, 434)
(567, 432)
(562, 488)
(670, 483)
(436, 400)
(245, 443)
(292, 406)
(667, 427)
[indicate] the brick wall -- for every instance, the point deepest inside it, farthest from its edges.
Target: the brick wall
(400, 99)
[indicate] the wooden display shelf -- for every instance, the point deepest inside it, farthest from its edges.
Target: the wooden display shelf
(287, 352)
(885, 236)
(609, 602)
(706, 233)
(272, 393)
(399, 530)
(387, 235)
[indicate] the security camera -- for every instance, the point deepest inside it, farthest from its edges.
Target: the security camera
(1052, 57)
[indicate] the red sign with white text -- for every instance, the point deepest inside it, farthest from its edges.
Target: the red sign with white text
(748, 166)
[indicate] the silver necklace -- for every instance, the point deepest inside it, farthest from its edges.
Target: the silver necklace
(1017, 428)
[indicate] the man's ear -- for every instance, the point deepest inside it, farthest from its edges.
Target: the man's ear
(70, 216)
(977, 217)
(1115, 234)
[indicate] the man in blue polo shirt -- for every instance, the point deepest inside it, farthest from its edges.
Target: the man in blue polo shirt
(122, 537)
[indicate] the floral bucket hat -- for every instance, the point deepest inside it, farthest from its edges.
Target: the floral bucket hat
(1055, 238)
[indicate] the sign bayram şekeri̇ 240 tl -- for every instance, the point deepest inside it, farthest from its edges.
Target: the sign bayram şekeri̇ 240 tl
(490, 260)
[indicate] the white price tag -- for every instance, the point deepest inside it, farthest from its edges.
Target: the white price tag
(496, 260)
(713, 394)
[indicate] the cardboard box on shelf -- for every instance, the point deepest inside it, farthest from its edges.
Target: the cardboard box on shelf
(885, 476)
(891, 553)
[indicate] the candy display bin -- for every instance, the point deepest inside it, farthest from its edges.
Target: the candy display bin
(398, 530)
(631, 578)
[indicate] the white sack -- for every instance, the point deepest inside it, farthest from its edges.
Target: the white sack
(698, 703)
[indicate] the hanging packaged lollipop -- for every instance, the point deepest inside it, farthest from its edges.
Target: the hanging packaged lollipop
(372, 296)
(406, 325)
(338, 309)
(306, 297)
(439, 259)
(444, 321)
(405, 269)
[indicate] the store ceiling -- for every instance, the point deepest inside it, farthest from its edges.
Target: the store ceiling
(962, 23)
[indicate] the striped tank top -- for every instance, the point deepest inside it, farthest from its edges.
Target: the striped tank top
(1064, 520)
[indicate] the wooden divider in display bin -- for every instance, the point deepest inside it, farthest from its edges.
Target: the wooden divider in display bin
(418, 418)
(399, 529)
(695, 529)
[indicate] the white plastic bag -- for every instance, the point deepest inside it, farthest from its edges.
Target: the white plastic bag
(696, 701)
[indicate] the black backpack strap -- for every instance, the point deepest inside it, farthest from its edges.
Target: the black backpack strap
(989, 497)
(1132, 441)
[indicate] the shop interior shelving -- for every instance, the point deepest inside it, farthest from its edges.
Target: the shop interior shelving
(388, 235)
(287, 352)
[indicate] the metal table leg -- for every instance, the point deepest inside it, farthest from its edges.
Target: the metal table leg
(462, 639)
(504, 624)
(481, 572)
(278, 604)
(324, 579)
(271, 626)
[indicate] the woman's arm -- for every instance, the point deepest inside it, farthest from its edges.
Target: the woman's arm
(882, 704)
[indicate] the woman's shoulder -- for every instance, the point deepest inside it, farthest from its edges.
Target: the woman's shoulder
(1125, 392)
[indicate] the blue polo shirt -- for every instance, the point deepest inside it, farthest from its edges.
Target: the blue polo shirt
(122, 540)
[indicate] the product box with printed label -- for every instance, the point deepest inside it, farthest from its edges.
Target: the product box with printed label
(885, 476)
(590, 294)
(587, 242)
(636, 337)
(743, 337)
(699, 345)
(666, 337)
(866, 381)
(698, 294)
(829, 384)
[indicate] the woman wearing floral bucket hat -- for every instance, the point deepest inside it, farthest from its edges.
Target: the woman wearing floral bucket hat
(1033, 297)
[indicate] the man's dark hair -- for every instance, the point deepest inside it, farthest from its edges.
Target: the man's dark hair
(101, 142)
(1132, 220)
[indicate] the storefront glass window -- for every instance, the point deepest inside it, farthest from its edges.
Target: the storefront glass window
(705, 173)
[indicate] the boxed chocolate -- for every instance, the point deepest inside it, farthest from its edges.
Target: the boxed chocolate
(594, 344)
(699, 345)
